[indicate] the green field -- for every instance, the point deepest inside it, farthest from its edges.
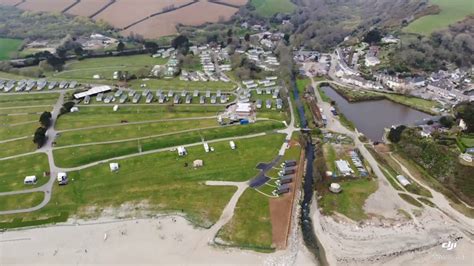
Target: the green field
(251, 225)
(16, 147)
(452, 11)
(163, 181)
(8, 46)
(350, 202)
(123, 132)
(28, 100)
(72, 157)
(103, 115)
(177, 84)
(20, 201)
(84, 70)
(268, 8)
(13, 172)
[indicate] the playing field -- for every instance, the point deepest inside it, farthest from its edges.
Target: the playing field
(8, 46)
(268, 8)
(451, 12)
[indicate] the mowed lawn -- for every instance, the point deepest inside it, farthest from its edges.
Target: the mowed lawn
(14, 171)
(8, 46)
(84, 70)
(16, 147)
(268, 8)
(8, 132)
(104, 115)
(27, 100)
(350, 202)
(452, 11)
(20, 201)
(125, 132)
(177, 84)
(77, 156)
(163, 181)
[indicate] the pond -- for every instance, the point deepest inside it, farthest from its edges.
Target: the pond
(371, 117)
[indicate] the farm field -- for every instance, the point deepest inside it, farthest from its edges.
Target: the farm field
(268, 8)
(165, 24)
(76, 156)
(46, 5)
(8, 46)
(103, 115)
(122, 132)
(136, 10)
(161, 182)
(234, 2)
(451, 12)
(21, 201)
(14, 171)
(87, 7)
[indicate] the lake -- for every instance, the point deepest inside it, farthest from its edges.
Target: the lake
(371, 117)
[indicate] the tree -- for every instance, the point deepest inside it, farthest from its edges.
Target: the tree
(180, 42)
(446, 121)
(373, 36)
(229, 33)
(151, 47)
(78, 51)
(40, 137)
(120, 46)
(395, 134)
(45, 119)
(466, 113)
(247, 37)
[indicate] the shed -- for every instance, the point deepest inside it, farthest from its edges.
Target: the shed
(286, 179)
(285, 188)
(30, 180)
(198, 163)
(289, 163)
(114, 167)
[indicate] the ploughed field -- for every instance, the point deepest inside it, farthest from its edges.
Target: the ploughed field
(149, 18)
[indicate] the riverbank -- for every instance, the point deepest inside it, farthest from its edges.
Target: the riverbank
(352, 96)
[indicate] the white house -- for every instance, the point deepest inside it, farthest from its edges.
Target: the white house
(30, 180)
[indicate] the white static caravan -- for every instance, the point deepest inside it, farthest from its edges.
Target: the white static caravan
(30, 180)
(232, 145)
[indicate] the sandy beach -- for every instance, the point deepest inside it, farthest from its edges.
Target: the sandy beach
(163, 240)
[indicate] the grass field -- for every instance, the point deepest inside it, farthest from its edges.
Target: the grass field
(84, 70)
(351, 200)
(251, 226)
(8, 46)
(72, 157)
(112, 133)
(468, 141)
(21, 201)
(177, 84)
(268, 8)
(28, 100)
(162, 181)
(451, 12)
(103, 115)
(13, 172)
(20, 146)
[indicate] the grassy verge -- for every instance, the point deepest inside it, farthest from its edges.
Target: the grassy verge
(250, 227)
(427, 202)
(350, 202)
(20, 201)
(268, 8)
